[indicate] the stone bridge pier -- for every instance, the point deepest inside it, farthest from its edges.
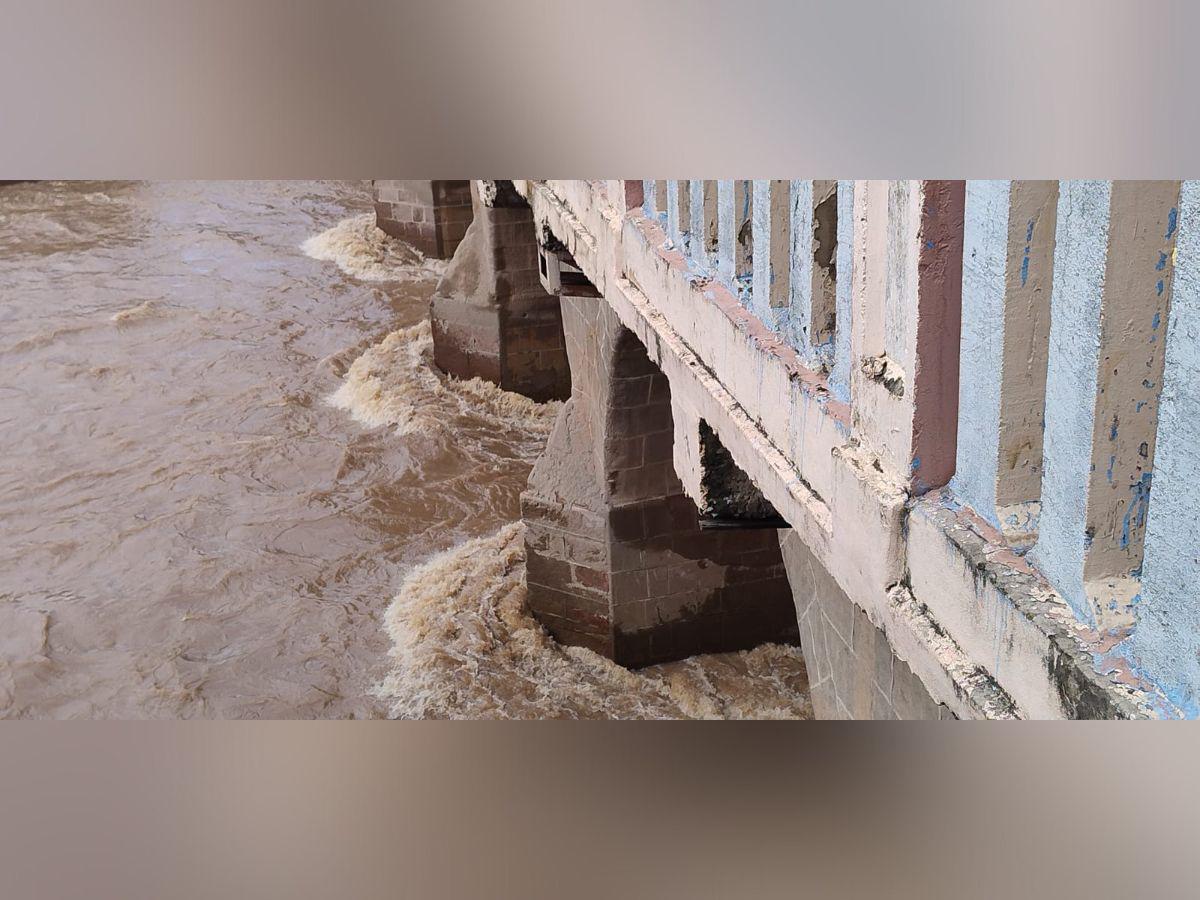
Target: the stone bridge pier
(617, 558)
(430, 215)
(491, 316)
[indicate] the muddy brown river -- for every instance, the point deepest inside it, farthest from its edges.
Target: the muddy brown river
(233, 485)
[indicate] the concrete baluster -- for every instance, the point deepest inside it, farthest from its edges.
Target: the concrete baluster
(650, 198)
(676, 213)
(1167, 639)
(726, 231)
(799, 297)
(907, 282)
(1008, 258)
(839, 374)
(1113, 271)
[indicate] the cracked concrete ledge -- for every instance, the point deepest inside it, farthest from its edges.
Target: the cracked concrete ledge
(977, 693)
(967, 619)
(1004, 608)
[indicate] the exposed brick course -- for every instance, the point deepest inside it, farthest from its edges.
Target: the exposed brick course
(431, 215)
(491, 316)
(617, 560)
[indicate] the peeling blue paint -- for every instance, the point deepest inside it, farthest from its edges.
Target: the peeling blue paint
(1164, 647)
(986, 239)
(1025, 255)
(839, 374)
(1135, 513)
(1187, 702)
(949, 501)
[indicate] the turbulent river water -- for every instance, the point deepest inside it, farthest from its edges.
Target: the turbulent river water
(233, 484)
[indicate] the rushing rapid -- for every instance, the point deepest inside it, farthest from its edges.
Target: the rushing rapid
(236, 486)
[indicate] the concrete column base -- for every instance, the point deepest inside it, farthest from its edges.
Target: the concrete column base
(430, 215)
(616, 558)
(491, 316)
(852, 671)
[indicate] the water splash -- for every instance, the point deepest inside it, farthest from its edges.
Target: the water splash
(395, 383)
(362, 250)
(465, 646)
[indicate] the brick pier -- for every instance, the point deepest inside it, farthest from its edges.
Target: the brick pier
(491, 316)
(617, 560)
(431, 215)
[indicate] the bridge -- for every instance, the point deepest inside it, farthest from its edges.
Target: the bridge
(912, 425)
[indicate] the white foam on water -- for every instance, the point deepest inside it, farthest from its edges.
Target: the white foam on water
(362, 250)
(395, 383)
(465, 646)
(147, 309)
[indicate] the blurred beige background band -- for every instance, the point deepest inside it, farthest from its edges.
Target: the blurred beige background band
(169, 89)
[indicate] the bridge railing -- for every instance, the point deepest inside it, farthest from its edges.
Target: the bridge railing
(1036, 345)
(1080, 387)
(788, 251)
(778, 246)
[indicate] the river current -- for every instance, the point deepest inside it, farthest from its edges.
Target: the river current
(234, 485)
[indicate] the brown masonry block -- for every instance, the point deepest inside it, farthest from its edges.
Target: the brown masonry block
(430, 215)
(491, 316)
(636, 578)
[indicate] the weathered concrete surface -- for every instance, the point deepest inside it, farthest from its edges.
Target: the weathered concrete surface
(1003, 613)
(1112, 288)
(906, 321)
(1165, 645)
(616, 559)
(794, 271)
(839, 374)
(900, 563)
(431, 215)
(1007, 264)
(491, 316)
